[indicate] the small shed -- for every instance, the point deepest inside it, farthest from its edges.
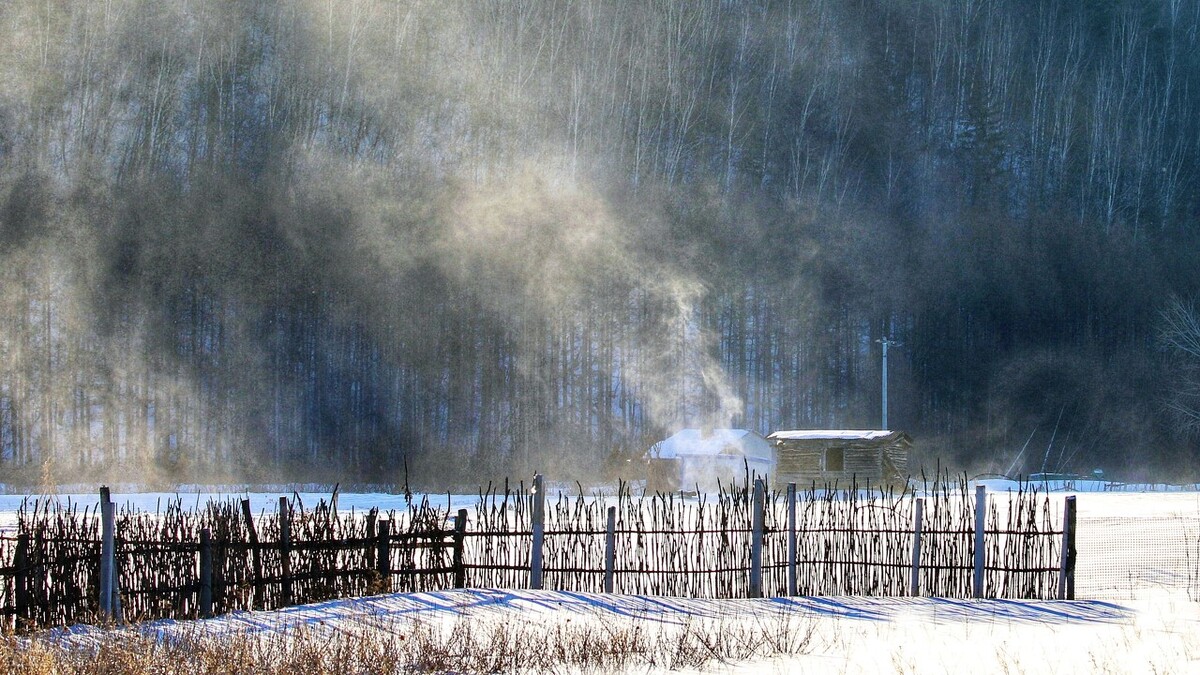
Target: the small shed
(841, 455)
(699, 459)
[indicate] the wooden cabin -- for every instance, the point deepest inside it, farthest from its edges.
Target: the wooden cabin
(703, 459)
(805, 457)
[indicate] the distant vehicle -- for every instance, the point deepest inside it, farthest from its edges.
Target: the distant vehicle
(1047, 477)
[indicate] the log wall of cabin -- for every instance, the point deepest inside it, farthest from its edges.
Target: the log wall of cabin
(802, 463)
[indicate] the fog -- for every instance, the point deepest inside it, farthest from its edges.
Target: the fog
(346, 240)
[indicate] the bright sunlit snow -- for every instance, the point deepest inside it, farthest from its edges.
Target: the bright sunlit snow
(842, 634)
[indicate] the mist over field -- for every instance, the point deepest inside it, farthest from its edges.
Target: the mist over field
(325, 240)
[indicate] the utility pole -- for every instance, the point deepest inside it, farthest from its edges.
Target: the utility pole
(886, 342)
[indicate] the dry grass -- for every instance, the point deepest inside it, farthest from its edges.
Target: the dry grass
(584, 644)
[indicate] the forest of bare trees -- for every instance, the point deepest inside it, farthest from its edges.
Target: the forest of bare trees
(313, 238)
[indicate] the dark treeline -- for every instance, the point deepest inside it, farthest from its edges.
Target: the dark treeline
(248, 239)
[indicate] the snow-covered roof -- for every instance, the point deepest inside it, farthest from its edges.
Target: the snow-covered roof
(696, 442)
(830, 435)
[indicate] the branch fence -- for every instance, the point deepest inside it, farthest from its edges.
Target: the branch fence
(58, 568)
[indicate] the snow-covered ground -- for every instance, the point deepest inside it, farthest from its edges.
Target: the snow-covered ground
(151, 502)
(1096, 497)
(808, 635)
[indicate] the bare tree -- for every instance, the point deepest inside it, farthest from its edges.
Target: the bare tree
(1180, 332)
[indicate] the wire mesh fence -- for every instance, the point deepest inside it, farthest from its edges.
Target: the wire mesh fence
(1131, 557)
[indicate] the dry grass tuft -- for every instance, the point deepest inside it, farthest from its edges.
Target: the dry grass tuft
(464, 645)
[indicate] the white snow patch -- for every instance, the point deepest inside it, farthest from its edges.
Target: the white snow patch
(713, 442)
(830, 435)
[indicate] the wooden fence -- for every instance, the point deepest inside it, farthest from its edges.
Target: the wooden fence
(59, 568)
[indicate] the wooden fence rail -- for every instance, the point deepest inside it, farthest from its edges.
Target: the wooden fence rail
(59, 568)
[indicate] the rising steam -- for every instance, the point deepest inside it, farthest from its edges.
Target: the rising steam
(548, 242)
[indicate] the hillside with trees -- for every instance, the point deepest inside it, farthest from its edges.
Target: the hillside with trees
(318, 239)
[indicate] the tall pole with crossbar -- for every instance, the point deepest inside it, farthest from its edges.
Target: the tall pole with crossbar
(886, 342)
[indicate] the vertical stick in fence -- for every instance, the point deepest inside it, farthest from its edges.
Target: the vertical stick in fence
(107, 555)
(980, 515)
(1066, 571)
(914, 584)
(285, 549)
(610, 548)
(118, 611)
(460, 531)
(256, 556)
(539, 532)
(21, 580)
(791, 542)
(383, 554)
(206, 574)
(756, 539)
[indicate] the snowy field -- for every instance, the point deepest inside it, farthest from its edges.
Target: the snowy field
(781, 635)
(1139, 552)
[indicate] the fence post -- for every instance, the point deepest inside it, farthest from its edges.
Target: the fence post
(372, 515)
(791, 542)
(610, 548)
(107, 555)
(1066, 571)
(256, 555)
(980, 520)
(285, 549)
(756, 539)
(539, 532)
(206, 574)
(21, 580)
(383, 554)
(914, 584)
(460, 531)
